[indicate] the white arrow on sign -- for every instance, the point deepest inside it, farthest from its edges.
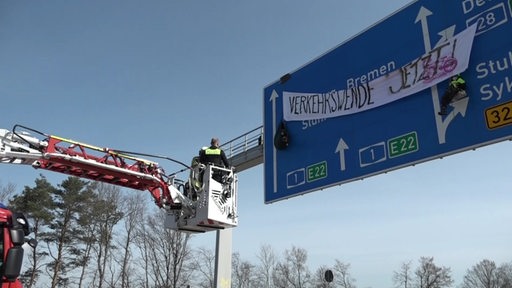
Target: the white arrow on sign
(446, 34)
(340, 148)
(422, 16)
(460, 108)
(273, 99)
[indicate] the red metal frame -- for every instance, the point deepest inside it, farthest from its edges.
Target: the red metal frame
(5, 220)
(101, 164)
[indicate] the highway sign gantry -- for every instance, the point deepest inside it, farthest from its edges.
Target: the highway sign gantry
(323, 152)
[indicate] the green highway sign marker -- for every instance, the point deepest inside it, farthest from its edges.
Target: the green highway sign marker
(403, 144)
(317, 171)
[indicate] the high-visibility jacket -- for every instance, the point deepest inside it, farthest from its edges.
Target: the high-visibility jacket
(459, 83)
(214, 155)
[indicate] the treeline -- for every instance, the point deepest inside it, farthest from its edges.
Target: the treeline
(92, 234)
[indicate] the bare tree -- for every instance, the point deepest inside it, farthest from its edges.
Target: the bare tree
(428, 275)
(292, 271)
(505, 274)
(167, 254)
(133, 209)
(403, 278)
(342, 277)
(243, 273)
(486, 274)
(204, 265)
(482, 275)
(142, 242)
(97, 235)
(319, 277)
(6, 192)
(268, 260)
(106, 215)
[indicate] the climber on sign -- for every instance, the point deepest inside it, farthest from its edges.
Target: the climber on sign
(457, 88)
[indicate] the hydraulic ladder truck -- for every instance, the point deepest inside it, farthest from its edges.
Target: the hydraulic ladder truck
(206, 201)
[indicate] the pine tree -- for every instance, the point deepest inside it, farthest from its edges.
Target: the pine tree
(36, 203)
(71, 200)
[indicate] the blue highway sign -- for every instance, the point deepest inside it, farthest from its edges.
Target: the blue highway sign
(327, 151)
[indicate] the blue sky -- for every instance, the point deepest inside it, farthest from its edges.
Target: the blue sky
(163, 77)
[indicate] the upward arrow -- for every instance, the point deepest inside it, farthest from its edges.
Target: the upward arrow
(273, 99)
(422, 16)
(461, 107)
(441, 125)
(340, 148)
(446, 34)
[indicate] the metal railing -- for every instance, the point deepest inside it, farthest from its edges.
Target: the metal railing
(243, 143)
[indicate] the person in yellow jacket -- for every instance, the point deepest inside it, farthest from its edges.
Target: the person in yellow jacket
(214, 155)
(457, 85)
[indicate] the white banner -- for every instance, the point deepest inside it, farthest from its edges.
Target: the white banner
(447, 59)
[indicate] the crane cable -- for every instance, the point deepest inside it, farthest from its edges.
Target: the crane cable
(156, 156)
(114, 150)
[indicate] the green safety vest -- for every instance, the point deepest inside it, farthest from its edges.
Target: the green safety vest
(457, 82)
